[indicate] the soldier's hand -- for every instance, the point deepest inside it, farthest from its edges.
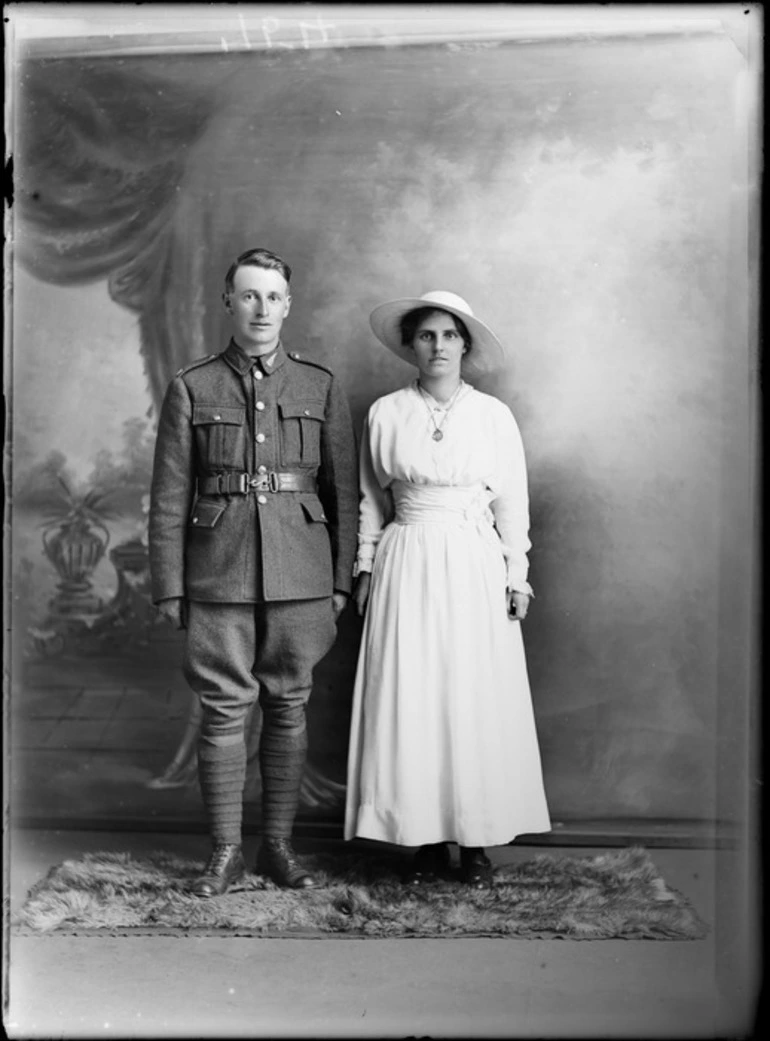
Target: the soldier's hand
(174, 611)
(339, 603)
(361, 592)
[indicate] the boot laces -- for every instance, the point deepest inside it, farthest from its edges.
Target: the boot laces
(218, 859)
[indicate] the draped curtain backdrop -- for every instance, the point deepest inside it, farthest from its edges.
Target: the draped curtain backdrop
(579, 195)
(101, 159)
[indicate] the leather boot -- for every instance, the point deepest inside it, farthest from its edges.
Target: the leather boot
(278, 861)
(430, 863)
(475, 867)
(225, 866)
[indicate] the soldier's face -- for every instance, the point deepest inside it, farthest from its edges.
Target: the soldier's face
(258, 304)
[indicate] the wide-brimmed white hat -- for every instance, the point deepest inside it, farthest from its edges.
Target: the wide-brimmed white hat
(486, 353)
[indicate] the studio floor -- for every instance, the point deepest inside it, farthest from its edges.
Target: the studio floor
(62, 986)
(85, 738)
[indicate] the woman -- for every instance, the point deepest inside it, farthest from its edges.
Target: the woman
(443, 745)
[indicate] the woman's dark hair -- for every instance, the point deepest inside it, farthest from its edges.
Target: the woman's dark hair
(412, 319)
(257, 258)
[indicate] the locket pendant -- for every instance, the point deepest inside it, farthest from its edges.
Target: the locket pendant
(437, 435)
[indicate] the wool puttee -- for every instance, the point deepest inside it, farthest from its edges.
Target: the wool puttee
(282, 754)
(222, 776)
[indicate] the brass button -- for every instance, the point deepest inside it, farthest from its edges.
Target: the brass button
(260, 406)
(262, 469)
(195, 520)
(217, 417)
(257, 374)
(307, 411)
(261, 499)
(259, 438)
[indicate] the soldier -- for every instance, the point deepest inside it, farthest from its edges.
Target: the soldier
(253, 517)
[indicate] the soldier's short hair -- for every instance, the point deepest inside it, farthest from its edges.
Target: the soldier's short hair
(257, 258)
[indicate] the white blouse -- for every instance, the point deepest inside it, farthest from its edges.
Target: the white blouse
(480, 445)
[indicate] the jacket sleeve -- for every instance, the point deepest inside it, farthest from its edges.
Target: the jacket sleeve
(511, 506)
(171, 493)
(338, 485)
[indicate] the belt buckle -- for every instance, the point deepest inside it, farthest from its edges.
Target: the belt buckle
(272, 481)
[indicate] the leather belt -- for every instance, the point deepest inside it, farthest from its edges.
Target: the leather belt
(242, 484)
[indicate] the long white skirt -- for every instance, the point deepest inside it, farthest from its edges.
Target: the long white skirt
(443, 744)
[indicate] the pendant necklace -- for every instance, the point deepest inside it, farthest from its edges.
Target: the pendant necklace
(438, 434)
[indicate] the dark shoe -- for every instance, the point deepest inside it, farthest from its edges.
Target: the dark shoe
(475, 867)
(225, 866)
(429, 864)
(278, 861)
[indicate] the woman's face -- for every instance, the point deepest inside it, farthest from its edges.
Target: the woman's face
(438, 346)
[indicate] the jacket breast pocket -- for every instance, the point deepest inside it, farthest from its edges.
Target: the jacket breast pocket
(301, 432)
(220, 436)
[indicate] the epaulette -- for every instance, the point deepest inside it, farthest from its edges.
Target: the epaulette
(196, 364)
(306, 361)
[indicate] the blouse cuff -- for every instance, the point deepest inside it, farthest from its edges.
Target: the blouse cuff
(523, 587)
(365, 557)
(517, 582)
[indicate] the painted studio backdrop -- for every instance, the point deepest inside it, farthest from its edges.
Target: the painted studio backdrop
(581, 196)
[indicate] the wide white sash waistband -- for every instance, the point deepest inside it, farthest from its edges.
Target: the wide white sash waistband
(441, 504)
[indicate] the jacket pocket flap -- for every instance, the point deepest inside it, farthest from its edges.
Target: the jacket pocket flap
(302, 409)
(233, 414)
(314, 511)
(206, 514)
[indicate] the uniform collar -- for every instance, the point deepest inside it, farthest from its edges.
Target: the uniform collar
(237, 359)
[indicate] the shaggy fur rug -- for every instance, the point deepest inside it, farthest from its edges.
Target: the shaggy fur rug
(617, 895)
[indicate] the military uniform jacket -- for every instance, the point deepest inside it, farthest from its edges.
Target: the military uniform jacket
(229, 414)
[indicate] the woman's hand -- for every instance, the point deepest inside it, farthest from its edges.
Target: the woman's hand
(339, 603)
(518, 605)
(361, 592)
